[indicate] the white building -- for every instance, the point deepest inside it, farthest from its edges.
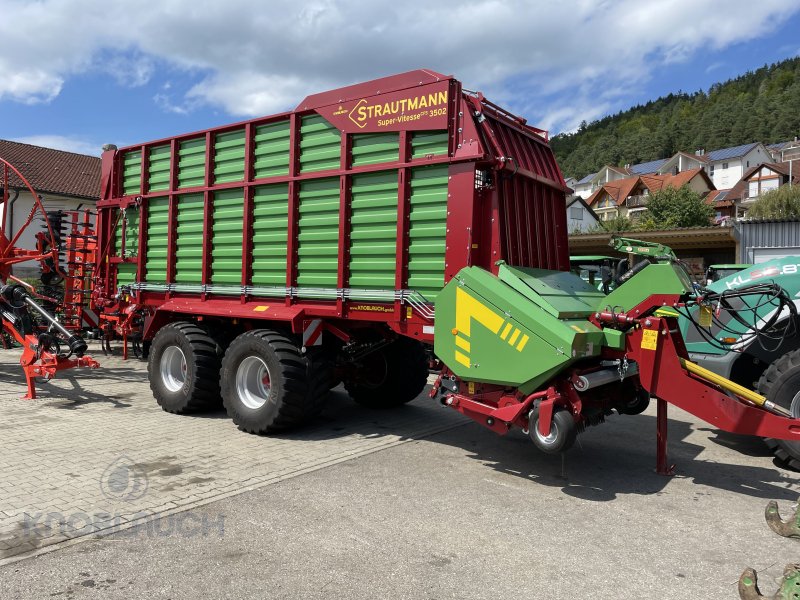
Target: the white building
(727, 166)
(580, 217)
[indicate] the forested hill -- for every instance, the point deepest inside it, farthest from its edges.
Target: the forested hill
(760, 106)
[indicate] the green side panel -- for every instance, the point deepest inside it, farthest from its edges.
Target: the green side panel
(373, 230)
(132, 172)
(226, 241)
(563, 294)
(270, 234)
(130, 223)
(427, 217)
(320, 145)
(659, 278)
(192, 163)
(126, 273)
(428, 143)
(271, 151)
(318, 239)
(158, 168)
(487, 331)
(374, 148)
(157, 236)
(190, 240)
(229, 156)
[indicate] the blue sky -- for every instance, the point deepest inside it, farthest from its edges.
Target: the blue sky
(122, 75)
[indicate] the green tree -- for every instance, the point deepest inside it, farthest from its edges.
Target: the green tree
(618, 224)
(776, 204)
(673, 207)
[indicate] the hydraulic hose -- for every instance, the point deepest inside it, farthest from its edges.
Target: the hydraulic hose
(17, 295)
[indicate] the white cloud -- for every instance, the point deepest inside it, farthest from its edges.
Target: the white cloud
(252, 60)
(77, 144)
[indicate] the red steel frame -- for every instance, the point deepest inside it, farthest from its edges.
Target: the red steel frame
(527, 188)
(35, 361)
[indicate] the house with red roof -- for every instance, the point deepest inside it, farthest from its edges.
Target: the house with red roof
(64, 180)
(628, 197)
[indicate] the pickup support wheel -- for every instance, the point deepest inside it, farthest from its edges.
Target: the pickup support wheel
(563, 431)
(183, 368)
(264, 382)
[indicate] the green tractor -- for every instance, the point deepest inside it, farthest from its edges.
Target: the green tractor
(754, 345)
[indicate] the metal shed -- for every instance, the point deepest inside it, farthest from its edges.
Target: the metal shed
(764, 239)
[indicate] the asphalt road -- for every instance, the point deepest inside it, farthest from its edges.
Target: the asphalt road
(461, 514)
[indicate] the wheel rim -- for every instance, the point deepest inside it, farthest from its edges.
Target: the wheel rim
(550, 439)
(794, 407)
(253, 382)
(173, 368)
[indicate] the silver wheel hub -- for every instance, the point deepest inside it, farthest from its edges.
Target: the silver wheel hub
(253, 383)
(794, 407)
(550, 438)
(173, 368)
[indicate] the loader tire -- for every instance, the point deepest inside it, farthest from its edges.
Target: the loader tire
(264, 386)
(780, 383)
(183, 368)
(391, 376)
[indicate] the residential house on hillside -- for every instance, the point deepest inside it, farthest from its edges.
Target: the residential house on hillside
(64, 180)
(723, 206)
(628, 197)
(580, 216)
(760, 180)
(583, 187)
(785, 151)
(724, 166)
(728, 165)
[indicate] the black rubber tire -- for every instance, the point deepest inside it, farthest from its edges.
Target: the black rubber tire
(563, 426)
(200, 390)
(780, 383)
(638, 404)
(288, 402)
(320, 378)
(402, 369)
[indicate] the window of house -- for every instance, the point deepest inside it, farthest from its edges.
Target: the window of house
(724, 165)
(769, 184)
(752, 189)
(712, 171)
(576, 213)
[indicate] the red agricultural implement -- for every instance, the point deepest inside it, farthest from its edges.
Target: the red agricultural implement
(24, 313)
(262, 263)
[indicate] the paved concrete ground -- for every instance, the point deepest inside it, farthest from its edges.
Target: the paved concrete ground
(458, 514)
(95, 452)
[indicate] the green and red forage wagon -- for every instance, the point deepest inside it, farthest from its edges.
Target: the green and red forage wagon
(266, 261)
